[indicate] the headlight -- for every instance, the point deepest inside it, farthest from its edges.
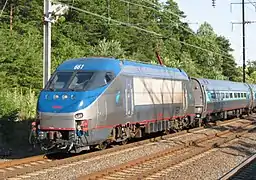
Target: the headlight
(64, 96)
(79, 115)
(56, 96)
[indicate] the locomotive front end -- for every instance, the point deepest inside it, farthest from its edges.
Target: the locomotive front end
(60, 130)
(63, 112)
(66, 109)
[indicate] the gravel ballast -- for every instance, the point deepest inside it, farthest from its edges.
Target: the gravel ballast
(74, 170)
(213, 164)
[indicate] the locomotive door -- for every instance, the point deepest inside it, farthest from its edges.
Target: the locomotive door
(129, 107)
(102, 112)
(200, 97)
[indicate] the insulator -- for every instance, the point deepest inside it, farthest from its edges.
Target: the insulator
(213, 3)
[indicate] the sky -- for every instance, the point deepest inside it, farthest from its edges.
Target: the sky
(220, 17)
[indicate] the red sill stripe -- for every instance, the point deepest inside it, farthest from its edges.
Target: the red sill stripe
(144, 122)
(56, 129)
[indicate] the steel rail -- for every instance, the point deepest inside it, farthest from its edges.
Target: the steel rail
(39, 166)
(138, 164)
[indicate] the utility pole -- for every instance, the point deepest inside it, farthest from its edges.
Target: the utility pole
(243, 31)
(51, 15)
(47, 42)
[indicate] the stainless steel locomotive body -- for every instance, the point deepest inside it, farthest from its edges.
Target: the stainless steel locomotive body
(124, 99)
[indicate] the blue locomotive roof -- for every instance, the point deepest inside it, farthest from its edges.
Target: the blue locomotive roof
(152, 70)
(93, 63)
(223, 85)
(82, 99)
(127, 67)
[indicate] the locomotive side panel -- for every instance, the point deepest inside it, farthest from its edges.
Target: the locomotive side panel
(114, 107)
(157, 99)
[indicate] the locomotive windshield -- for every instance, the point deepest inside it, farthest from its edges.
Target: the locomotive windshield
(77, 81)
(80, 80)
(60, 80)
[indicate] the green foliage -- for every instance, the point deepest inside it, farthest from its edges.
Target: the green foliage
(108, 49)
(17, 105)
(77, 34)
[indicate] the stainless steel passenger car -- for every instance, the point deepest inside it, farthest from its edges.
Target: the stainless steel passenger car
(220, 98)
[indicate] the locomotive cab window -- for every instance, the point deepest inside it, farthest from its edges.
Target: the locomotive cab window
(59, 80)
(80, 80)
(109, 77)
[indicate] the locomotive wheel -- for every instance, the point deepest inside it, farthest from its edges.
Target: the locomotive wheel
(167, 132)
(103, 145)
(125, 141)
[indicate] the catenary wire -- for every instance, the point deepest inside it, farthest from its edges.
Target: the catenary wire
(3, 7)
(142, 29)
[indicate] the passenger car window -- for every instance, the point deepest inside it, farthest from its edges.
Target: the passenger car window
(227, 95)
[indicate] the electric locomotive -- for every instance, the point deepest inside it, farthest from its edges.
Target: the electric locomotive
(92, 102)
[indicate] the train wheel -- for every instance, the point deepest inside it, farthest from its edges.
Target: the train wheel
(103, 145)
(125, 141)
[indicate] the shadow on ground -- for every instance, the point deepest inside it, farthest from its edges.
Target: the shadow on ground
(14, 140)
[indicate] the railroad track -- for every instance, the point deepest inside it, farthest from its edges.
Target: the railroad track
(150, 167)
(245, 170)
(22, 167)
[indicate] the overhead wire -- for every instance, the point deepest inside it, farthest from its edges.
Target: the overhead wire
(177, 15)
(253, 3)
(142, 29)
(3, 8)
